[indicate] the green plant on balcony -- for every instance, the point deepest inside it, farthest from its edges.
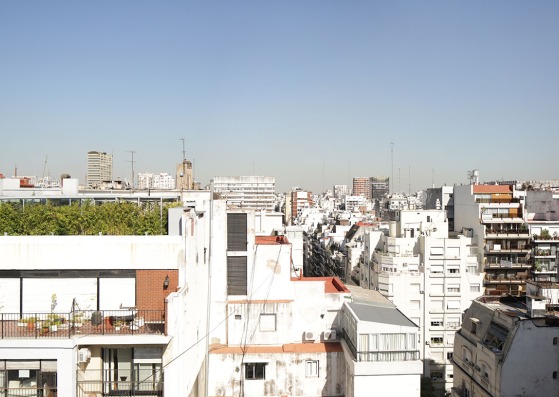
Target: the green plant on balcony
(538, 266)
(544, 235)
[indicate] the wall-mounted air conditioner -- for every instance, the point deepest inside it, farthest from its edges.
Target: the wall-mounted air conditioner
(84, 354)
(330, 335)
(309, 336)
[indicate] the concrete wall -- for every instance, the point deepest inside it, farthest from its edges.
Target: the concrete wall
(285, 375)
(90, 252)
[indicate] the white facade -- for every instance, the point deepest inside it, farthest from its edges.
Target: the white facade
(431, 278)
(161, 181)
(496, 335)
(247, 192)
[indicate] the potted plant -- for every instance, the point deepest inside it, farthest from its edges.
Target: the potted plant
(117, 324)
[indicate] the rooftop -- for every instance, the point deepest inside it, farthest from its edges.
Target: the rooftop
(271, 240)
(492, 188)
(331, 284)
(380, 314)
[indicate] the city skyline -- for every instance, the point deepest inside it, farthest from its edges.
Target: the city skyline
(310, 93)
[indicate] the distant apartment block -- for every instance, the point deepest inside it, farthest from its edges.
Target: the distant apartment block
(99, 168)
(185, 179)
(162, 181)
(362, 187)
(380, 186)
(340, 191)
(247, 192)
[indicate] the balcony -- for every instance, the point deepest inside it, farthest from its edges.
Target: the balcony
(506, 278)
(509, 233)
(84, 322)
(496, 200)
(122, 383)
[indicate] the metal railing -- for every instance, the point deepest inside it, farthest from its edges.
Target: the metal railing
(117, 388)
(27, 392)
(83, 322)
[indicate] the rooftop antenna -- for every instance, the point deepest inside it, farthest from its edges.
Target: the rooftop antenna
(132, 163)
(183, 173)
(392, 161)
(45, 166)
(409, 179)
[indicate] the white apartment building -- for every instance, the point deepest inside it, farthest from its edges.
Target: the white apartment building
(495, 217)
(161, 181)
(508, 346)
(246, 192)
(353, 203)
(285, 334)
(340, 191)
(431, 278)
(99, 168)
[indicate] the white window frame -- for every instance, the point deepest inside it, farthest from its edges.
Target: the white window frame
(268, 322)
(312, 368)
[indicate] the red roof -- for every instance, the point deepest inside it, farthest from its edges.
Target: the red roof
(331, 285)
(271, 240)
(492, 188)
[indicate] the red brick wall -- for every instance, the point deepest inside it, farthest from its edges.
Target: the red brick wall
(150, 293)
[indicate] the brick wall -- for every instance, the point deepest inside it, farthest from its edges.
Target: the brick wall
(150, 293)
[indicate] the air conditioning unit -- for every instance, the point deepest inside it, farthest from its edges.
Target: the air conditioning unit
(330, 335)
(308, 336)
(84, 354)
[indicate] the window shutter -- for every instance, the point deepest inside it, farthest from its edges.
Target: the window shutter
(236, 275)
(236, 232)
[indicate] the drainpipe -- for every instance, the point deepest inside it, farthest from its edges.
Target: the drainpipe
(207, 369)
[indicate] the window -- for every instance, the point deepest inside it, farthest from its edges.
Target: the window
(554, 374)
(436, 340)
(474, 288)
(236, 232)
(453, 305)
(454, 271)
(436, 323)
(453, 288)
(449, 356)
(311, 368)
(236, 275)
(133, 369)
(436, 375)
(555, 340)
(267, 322)
(255, 371)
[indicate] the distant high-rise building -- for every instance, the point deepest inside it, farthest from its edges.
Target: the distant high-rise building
(99, 168)
(362, 187)
(250, 192)
(184, 175)
(380, 186)
(340, 191)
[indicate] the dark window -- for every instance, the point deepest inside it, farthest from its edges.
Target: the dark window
(236, 275)
(255, 371)
(236, 232)
(554, 374)
(555, 340)
(449, 356)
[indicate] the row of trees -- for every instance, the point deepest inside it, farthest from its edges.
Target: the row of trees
(110, 218)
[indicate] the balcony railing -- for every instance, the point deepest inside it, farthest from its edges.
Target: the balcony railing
(392, 355)
(496, 200)
(83, 322)
(118, 388)
(28, 391)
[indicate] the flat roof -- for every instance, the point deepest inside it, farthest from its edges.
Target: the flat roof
(380, 314)
(325, 347)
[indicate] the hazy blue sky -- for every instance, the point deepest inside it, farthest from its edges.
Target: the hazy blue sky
(311, 92)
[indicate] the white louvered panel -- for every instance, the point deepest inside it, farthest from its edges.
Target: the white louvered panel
(38, 293)
(9, 295)
(116, 293)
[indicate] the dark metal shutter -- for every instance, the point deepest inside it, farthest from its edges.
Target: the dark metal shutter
(237, 232)
(236, 275)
